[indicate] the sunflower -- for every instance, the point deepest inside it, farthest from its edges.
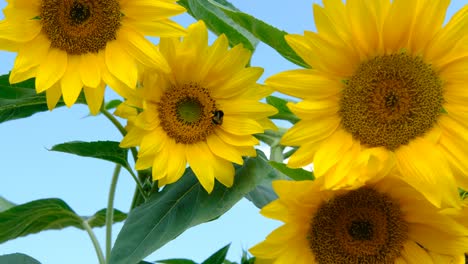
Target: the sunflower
(68, 45)
(386, 90)
(204, 112)
(384, 221)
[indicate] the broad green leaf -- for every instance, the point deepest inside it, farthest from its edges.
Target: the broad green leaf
(180, 206)
(45, 214)
(5, 204)
(176, 261)
(20, 100)
(17, 258)
(218, 22)
(262, 31)
(262, 195)
(295, 174)
(106, 150)
(218, 257)
(283, 111)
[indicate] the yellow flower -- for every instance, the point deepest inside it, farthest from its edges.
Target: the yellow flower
(203, 112)
(68, 45)
(385, 221)
(386, 90)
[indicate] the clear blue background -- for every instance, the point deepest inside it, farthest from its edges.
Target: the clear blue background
(28, 171)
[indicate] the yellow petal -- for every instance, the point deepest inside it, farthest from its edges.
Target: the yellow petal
(246, 107)
(397, 26)
(152, 142)
(71, 81)
(144, 162)
(212, 55)
(120, 64)
(223, 171)
(302, 47)
(94, 98)
(429, 22)
(414, 254)
(304, 83)
(132, 138)
(317, 109)
(310, 131)
(223, 150)
(53, 96)
(177, 163)
(331, 151)
(304, 155)
(237, 83)
(364, 26)
(89, 69)
(236, 140)
(438, 240)
(449, 36)
(429, 173)
(162, 28)
(51, 70)
(151, 10)
(141, 49)
(159, 169)
(199, 157)
(29, 57)
(241, 126)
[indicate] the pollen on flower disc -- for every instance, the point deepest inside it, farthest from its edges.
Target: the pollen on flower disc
(362, 226)
(80, 26)
(186, 113)
(391, 100)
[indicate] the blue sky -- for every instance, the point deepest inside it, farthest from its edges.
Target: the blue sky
(28, 171)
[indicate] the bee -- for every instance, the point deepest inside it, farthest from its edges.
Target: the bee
(217, 118)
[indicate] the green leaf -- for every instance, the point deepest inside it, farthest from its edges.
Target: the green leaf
(112, 104)
(99, 218)
(218, 22)
(20, 100)
(268, 34)
(283, 111)
(180, 206)
(45, 214)
(176, 261)
(262, 195)
(105, 150)
(5, 204)
(218, 257)
(295, 174)
(17, 258)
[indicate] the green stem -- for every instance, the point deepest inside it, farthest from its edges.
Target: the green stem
(139, 184)
(110, 211)
(119, 126)
(96, 245)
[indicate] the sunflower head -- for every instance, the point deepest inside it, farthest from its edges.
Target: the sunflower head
(385, 91)
(203, 113)
(386, 221)
(75, 45)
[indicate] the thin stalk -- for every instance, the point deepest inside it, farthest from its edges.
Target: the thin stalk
(119, 126)
(139, 184)
(95, 242)
(110, 211)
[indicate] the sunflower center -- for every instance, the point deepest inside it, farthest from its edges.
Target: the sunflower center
(80, 26)
(186, 113)
(79, 13)
(391, 100)
(361, 226)
(361, 230)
